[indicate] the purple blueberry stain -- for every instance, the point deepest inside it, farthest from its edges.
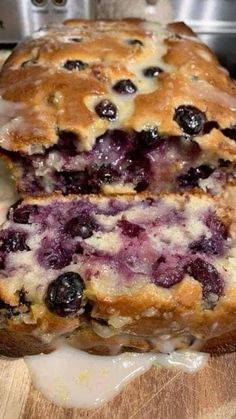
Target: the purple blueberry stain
(190, 119)
(77, 182)
(54, 254)
(130, 229)
(209, 246)
(64, 294)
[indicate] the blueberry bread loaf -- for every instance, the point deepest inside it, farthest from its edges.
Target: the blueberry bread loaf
(142, 271)
(117, 107)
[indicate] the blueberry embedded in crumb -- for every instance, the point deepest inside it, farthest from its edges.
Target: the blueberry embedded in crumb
(2, 261)
(23, 214)
(209, 246)
(77, 182)
(64, 294)
(22, 298)
(230, 133)
(135, 42)
(209, 126)
(192, 177)
(190, 119)
(207, 275)
(106, 173)
(76, 39)
(130, 229)
(148, 139)
(13, 241)
(106, 110)
(167, 271)
(75, 65)
(81, 226)
(67, 142)
(125, 87)
(139, 171)
(224, 163)
(152, 71)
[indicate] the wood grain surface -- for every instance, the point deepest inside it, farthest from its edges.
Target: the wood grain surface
(158, 394)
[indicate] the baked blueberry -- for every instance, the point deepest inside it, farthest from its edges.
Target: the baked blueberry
(230, 132)
(13, 241)
(75, 65)
(75, 181)
(167, 273)
(149, 139)
(135, 42)
(190, 119)
(76, 39)
(152, 71)
(67, 142)
(192, 177)
(207, 275)
(209, 126)
(2, 261)
(210, 246)
(139, 172)
(81, 226)
(23, 298)
(125, 87)
(22, 215)
(106, 110)
(106, 173)
(64, 294)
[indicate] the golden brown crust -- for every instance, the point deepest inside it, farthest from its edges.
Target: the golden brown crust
(17, 344)
(47, 98)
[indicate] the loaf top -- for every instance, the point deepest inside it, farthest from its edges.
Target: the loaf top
(87, 77)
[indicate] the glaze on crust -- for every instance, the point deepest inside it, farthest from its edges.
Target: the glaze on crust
(149, 266)
(53, 84)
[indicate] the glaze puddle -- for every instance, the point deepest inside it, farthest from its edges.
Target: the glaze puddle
(71, 378)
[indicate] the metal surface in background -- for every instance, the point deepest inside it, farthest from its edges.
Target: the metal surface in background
(19, 18)
(213, 20)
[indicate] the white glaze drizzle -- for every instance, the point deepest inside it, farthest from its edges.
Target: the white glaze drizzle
(69, 377)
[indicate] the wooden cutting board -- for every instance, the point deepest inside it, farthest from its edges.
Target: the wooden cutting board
(158, 394)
